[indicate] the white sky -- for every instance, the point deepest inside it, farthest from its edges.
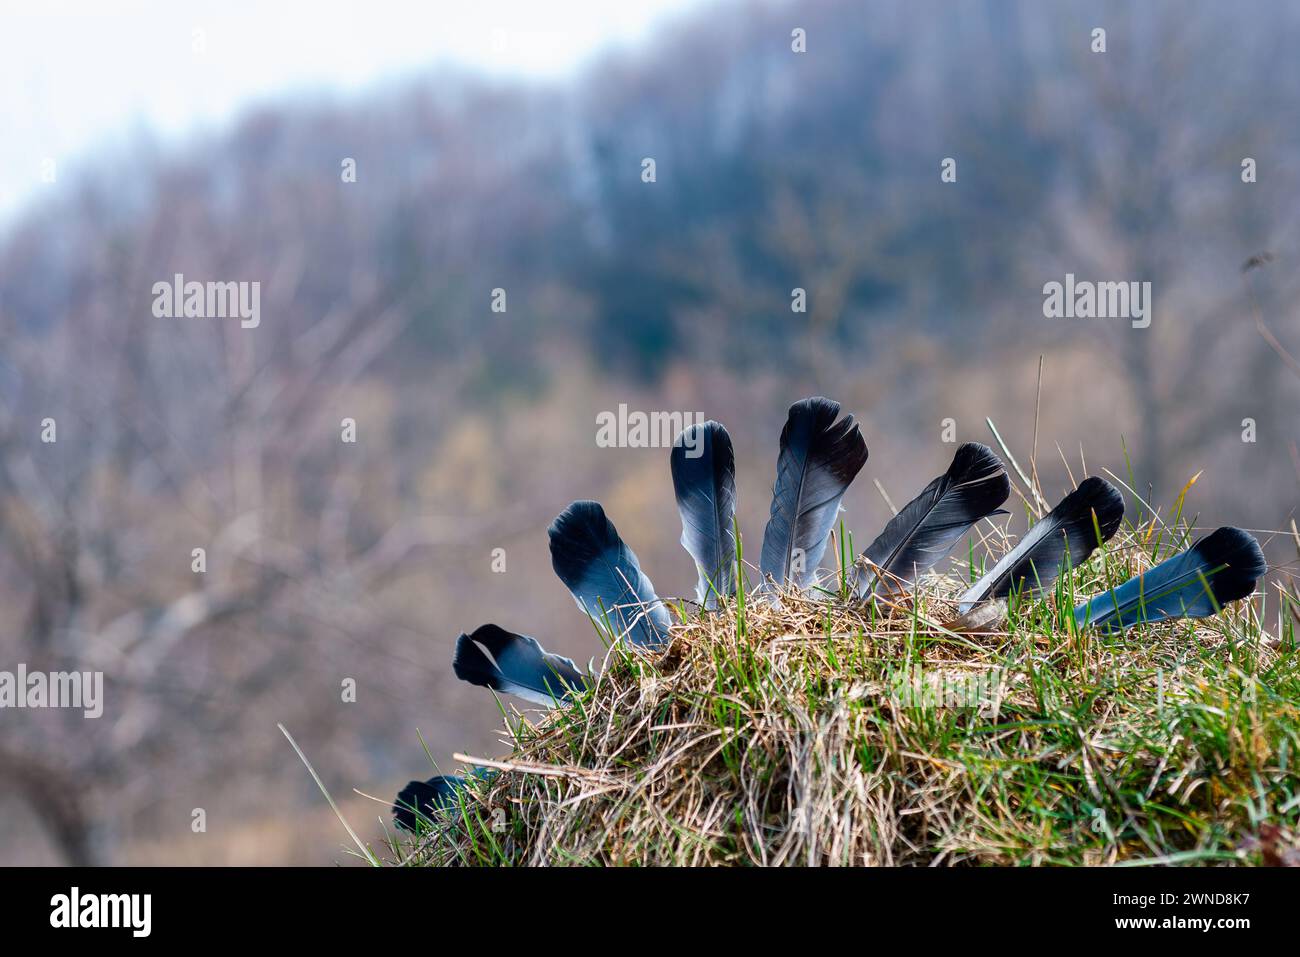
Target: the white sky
(77, 74)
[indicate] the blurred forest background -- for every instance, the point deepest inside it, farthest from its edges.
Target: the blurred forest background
(774, 170)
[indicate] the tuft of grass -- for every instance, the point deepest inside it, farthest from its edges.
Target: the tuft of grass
(815, 729)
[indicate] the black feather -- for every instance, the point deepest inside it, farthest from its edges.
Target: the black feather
(1228, 560)
(705, 485)
(604, 576)
(515, 664)
(1036, 562)
(819, 458)
(974, 487)
(422, 798)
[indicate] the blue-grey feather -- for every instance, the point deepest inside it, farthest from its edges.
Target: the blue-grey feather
(819, 458)
(926, 528)
(419, 799)
(1067, 530)
(1222, 567)
(705, 486)
(604, 576)
(515, 664)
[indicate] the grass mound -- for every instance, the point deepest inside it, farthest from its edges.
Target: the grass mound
(821, 730)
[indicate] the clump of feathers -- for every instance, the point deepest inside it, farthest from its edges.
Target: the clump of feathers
(796, 611)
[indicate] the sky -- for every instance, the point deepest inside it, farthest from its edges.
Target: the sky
(77, 76)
